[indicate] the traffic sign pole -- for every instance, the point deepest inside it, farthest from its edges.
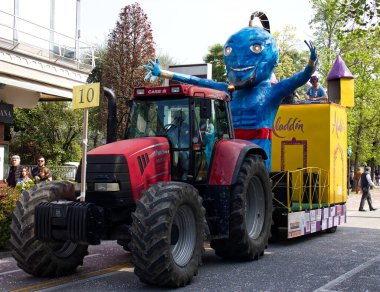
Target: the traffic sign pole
(84, 156)
(85, 96)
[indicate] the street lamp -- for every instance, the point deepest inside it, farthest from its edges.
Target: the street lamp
(349, 153)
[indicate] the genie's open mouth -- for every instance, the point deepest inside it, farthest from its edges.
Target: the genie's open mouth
(240, 83)
(242, 69)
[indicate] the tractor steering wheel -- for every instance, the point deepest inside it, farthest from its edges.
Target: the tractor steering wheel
(168, 127)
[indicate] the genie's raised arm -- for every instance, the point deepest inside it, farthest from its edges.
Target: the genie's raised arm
(289, 85)
(156, 71)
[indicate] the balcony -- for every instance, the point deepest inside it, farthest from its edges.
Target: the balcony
(39, 64)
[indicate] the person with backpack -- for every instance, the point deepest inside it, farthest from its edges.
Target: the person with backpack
(365, 184)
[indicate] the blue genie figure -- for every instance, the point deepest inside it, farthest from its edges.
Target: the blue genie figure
(250, 56)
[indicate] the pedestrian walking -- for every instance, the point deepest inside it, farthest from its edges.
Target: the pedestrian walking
(365, 184)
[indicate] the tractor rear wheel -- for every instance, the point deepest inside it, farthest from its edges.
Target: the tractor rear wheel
(250, 213)
(168, 232)
(43, 259)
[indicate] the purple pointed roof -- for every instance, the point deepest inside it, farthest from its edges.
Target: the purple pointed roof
(339, 70)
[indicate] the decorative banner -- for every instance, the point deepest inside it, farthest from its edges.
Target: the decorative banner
(85, 96)
(6, 113)
(296, 224)
(315, 220)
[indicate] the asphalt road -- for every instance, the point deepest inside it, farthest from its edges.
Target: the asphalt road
(348, 260)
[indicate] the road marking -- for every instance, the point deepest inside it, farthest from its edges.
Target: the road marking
(66, 285)
(77, 278)
(92, 255)
(10, 272)
(18, 270)
(347, 275)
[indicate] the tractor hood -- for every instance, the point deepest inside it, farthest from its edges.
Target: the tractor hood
(132, 147)
(138, 162)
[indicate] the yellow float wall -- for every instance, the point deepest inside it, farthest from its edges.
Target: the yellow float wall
(313, 135)
(347, 91)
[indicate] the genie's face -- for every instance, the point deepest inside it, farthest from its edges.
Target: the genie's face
(250, 56)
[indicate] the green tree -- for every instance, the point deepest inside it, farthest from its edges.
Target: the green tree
(327, 25)
(359, 46)
(51, 129)
(130, 45)
(291, 59)
(215, 58)
(360, 50)
(359, 13)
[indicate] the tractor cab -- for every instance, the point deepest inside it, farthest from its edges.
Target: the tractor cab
(193, 119)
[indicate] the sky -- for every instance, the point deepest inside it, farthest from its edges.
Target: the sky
(185, 29)
(182, 29)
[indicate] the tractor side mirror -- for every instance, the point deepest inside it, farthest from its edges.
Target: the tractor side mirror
(205, 110)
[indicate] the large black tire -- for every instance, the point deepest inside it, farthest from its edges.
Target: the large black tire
(43, 259)
(168, 232)
(250, 213)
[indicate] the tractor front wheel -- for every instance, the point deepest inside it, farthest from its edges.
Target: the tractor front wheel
(168, 232)
(43, 259)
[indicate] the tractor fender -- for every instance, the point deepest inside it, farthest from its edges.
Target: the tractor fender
(227, 159)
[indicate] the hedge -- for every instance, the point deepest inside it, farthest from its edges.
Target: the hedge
(8, 199)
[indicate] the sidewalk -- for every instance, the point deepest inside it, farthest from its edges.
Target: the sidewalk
(353, 214)
(353, 201)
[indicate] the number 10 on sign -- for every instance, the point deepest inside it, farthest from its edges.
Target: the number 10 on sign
(85, 96)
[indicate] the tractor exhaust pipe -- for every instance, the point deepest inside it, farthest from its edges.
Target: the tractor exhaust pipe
(111, 119)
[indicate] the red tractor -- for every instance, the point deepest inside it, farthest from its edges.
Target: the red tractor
(177, 179)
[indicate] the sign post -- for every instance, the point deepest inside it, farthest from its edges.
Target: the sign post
(85, 96)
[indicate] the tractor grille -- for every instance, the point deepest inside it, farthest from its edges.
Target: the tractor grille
(107, 169)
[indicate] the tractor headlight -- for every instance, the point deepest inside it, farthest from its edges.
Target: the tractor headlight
(140, 91)
(106, 187)
(175, 89)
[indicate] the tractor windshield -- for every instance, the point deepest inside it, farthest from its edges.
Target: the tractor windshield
(160, 117)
